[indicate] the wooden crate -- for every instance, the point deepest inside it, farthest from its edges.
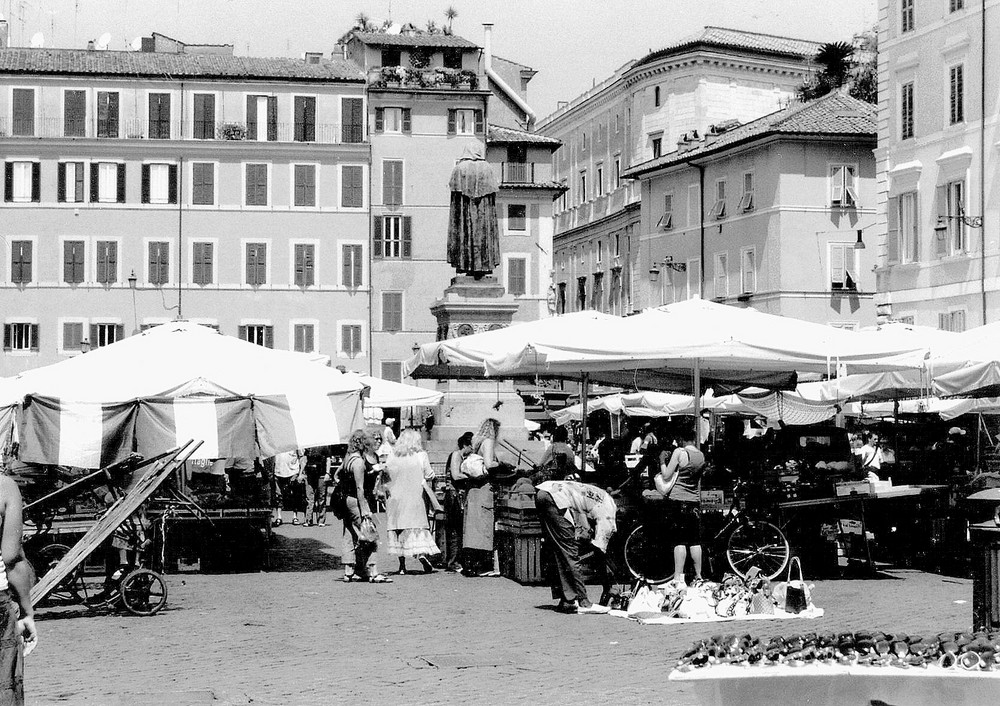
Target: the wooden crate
(516, 514)
(520, 557)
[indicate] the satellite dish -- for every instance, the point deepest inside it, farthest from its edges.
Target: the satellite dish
(136, 44)
(103, 41)
(37, 40)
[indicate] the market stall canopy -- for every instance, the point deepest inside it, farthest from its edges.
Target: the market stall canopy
(975, 369)
(468, 357)
(946, 409)
(728, 342)
(646, 404)
(386, 393)
(180, 381)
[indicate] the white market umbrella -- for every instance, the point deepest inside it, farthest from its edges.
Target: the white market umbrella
(638, 404)
(387, 393)
(972, 366)
(179, 381)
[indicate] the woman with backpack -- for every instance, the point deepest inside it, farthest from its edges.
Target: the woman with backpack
(360, 533)
(679, 481)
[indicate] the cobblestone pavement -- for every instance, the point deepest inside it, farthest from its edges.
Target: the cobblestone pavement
(295, 635)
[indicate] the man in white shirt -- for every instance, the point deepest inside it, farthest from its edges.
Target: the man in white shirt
(871, 456)
(564, 507)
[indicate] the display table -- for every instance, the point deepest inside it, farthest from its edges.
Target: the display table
(236, 539)
(837, 685)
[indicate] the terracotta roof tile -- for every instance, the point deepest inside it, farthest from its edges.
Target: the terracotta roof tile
(834, 114)
(501, 135)
(414, 40)
(78, 62)
(724, 38)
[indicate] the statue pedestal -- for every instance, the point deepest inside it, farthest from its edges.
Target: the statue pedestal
(473, 306)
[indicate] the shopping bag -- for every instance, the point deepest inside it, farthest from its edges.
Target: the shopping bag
(645, 600)
(761, 601)
(368, 532)
(474, 466)
(797, 598)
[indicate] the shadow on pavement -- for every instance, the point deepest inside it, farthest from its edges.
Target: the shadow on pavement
(302, 554)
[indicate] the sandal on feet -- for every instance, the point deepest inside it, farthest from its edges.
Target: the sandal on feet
(352, 578)
(295, 520)
(379, 578)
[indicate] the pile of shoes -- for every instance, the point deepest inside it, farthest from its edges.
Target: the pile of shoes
(948, 650)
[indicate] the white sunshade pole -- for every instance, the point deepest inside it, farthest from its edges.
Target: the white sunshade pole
(697, 403)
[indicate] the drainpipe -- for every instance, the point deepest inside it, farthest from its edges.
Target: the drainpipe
(180, 214)
(982, 160)
(529, 114)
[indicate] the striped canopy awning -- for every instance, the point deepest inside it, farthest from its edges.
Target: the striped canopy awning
(181, 381)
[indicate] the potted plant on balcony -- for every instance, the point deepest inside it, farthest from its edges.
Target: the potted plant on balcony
(468, 79)
(231, 131)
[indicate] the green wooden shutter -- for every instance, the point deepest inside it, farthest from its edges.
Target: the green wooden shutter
(78, 182)
(377, 245)
(24, 112)
(61, 182)
(407, 122)
(941, 237)
(380, 120)
(269, 336)
(272, 118)
(242, 332)
(95, 184)
(407, 240)
(480, 123)
(94, 334)
(75, 113)
(252, 117)
(892, 231)
(357, 265)
(36, 182)
(172, 183)
(102, 263)
(7, 336)
(351, 129)
(8, 181)
(119, 332)
(452, 129)
(121, 183)
(145, 183)
(34, 337)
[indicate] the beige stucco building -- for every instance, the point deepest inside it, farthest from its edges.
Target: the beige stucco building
(937, 161)
(766, 214)
(638, 114)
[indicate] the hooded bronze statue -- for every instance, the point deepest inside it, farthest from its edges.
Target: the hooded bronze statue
(473, 233)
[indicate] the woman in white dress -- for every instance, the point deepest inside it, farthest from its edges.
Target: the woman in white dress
(407, 473)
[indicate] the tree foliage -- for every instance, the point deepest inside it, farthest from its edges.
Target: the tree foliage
(841, 64)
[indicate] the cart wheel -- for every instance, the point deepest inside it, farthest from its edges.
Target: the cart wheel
(144, 592)
(47, 558)
(758, 543)
(648, 557)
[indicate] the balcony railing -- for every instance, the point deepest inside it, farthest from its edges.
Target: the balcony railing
(132, 129)
(517, 172)
(432, 78)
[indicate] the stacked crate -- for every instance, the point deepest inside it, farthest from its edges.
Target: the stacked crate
(519, 537)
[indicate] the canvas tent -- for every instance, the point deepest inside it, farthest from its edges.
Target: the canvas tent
(176, 382)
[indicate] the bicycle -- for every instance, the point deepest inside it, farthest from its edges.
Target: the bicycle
(747, 539)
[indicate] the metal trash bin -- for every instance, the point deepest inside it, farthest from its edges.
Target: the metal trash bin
(985, 537)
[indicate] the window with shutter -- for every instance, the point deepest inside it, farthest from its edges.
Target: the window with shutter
(721, 275)
(305, 185)
(70, 178)
(256, 264)
(906, 115)
(748, 270)
(20, 261)
(305, 338)
(259, 334)
(159, 116)
(105, 334)
(24, 112)
(203, 183)
(956, 99)
(467, 121)
(517, 217)
(392, 182)
(72, 335)
(843, 274)
(120, 183)
(353, 119)
(203, 265)
(378, 239)
(75, 113)
(843, 185)
(517, 276)
(746, 201)
(20, 336)
(107, 261)
(407, 237)
(351, 264)
(350, 340)
(20, 187)
(452, 121)
(392, 311)
(352, 186)
(107, 114)
(392, 236)
(73, 261)
(256, 177)
(157, 185)
(159, 263)
(305, 264)
(894, 214)
(909, 226)
(204, 116)
(305, 118)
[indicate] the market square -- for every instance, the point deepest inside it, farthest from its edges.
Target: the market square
(411, 356)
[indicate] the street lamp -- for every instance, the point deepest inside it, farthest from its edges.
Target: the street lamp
(132, 279)
(859, 244)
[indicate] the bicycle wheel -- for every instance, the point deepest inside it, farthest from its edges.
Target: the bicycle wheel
(648, 557)
(144, 592)
(757, 543)
(47, 558)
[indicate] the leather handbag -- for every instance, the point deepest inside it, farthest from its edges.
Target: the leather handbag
(797, 596)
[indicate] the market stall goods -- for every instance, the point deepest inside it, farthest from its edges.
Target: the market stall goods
(979, 651)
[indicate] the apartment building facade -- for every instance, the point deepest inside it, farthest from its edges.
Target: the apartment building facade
(770, 214)
(937, 162)
(638, 114)
(144, 186)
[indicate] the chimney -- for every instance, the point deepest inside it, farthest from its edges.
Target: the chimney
(4, 32)
(488, 45)
(90, 45)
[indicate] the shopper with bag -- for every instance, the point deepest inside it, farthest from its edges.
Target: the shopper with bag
(478, 526)
(455, 489)
(583, 503)
(360, 532)
(679, 481)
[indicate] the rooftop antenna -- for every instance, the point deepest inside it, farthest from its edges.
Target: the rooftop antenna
(103, 41)
(37, 41)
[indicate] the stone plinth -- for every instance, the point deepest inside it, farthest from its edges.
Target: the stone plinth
(473, 306)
